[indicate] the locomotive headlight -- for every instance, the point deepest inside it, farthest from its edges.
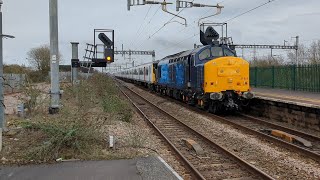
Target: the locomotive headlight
(248, 95)
(216, 96)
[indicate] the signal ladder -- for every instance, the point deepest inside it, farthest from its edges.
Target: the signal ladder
(90, 53)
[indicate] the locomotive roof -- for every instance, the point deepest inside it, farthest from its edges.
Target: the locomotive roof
(183, 53)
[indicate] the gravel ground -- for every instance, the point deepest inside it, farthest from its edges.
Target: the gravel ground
(11, 102)
(277, 162)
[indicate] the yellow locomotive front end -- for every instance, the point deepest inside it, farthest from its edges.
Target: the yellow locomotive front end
(226, 80)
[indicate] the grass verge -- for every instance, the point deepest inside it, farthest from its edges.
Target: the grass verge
(90, 112)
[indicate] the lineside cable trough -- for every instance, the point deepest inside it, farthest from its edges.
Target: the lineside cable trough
(287, 137)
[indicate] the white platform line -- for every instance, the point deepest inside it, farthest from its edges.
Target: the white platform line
(170, 168)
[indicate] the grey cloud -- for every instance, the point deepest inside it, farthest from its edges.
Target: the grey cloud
(29, 22)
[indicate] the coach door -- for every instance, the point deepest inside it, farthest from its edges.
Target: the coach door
(144, 74)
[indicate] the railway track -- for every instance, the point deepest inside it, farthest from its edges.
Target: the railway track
(215, 162)
(257, 126)
(254, 125)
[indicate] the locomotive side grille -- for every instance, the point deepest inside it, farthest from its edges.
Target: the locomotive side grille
(200, 76)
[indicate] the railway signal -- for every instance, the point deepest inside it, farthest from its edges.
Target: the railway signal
(105, 40)
(109, 55)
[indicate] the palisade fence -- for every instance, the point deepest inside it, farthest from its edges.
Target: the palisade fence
(13, 82)
(292, 77)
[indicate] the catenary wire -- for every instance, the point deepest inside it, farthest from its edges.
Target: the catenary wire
(246, 12)
(138, 42)
(269, 1)
(145, 17)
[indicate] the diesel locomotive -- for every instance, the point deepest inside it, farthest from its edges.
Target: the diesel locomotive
(211, 77)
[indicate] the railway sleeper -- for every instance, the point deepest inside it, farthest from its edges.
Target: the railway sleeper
(221, 174)
(219, 166)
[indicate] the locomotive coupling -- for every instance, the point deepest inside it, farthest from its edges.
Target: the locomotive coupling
(248, 95)
(216, 96)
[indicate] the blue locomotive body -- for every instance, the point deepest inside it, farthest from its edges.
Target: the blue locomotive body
(182, 71)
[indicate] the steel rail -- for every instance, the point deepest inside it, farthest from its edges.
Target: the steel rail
(282, 128)
(279, 142)
(247, 165)
(190, 166)
(270, 138)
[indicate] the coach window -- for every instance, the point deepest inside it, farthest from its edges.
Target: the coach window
(216, 51)
(205, 54)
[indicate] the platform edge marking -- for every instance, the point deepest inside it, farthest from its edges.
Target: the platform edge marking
(170, 168)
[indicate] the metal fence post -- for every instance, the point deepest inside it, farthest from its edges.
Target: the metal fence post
(255, 76)
(318, 68)
(54, 57)
(74, 62)
(273, 79)
(294, 77)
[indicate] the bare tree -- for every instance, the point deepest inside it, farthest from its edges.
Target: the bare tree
(314, 52)
(302, 55)
(267, 61)
(39, 58)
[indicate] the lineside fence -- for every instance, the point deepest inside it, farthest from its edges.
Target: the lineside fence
(13, 82)
(292, 77)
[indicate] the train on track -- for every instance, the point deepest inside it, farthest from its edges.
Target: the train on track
(211, 77)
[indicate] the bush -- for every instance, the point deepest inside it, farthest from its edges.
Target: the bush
(33, 99)
(37, 77)
(113, 104)
(78, 130)
(61, 138)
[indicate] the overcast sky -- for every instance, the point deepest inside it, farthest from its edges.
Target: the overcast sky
(28, 21)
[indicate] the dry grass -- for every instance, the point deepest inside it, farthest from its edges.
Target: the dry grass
(81, 128)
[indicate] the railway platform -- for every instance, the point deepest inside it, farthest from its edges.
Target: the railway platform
(300, 98)
(134, 169)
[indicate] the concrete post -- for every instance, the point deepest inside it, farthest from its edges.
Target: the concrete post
(2, 120)
(75, 62)
(54, 57)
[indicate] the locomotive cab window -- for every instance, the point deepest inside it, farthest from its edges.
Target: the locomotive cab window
(205, 54)
(227, 52)
(216, 51)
